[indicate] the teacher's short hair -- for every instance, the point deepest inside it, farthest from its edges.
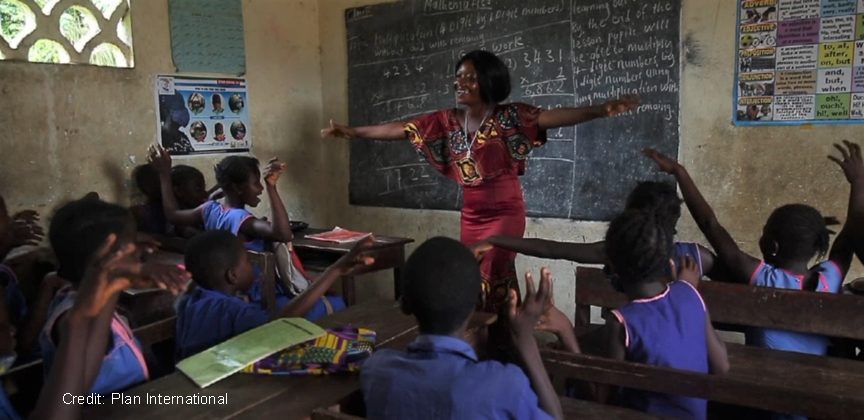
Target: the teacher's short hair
(492, 75)
(441, 285)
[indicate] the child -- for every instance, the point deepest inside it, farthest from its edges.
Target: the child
(220, 267)
(149, 216)
(645, 196)
(440, 377)
(189, 187)
(77, 233)
(240, 180)
(792, 236)
(105, 277)
(666, 323)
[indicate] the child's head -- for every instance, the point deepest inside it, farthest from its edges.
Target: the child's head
(638, 246)
(80, 228)
(216, 259)
(240, 178)
(440, 286)
(147, 180)
(661, 197)
(794, 232)
(189, 186)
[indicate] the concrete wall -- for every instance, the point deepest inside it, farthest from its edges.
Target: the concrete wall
(73, 129)
(744, 172)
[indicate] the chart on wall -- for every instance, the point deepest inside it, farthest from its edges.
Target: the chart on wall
(202, 115)
(800, 62)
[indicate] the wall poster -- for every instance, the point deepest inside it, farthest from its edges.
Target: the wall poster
(799, 62)
(202, 115)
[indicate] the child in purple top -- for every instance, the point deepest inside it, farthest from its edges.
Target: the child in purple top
(666, 323)
(793, 235)
(646, 195)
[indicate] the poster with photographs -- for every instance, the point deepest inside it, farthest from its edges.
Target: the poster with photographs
(202, 115)
(800, 62)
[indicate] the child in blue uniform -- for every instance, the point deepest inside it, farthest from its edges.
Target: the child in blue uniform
(439, 376)
(793, 235)
(646, 196)
(212, 313)
(666, 323)
(77, 231)
(240, 180)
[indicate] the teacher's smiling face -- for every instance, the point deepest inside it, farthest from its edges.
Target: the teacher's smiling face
(466, 84)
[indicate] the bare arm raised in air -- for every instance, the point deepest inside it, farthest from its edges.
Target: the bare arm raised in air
(847, 241)
(565, 117)
(279, 230)
(523, 319)
(161, 161)
(740, 264)
(350, 262)
(389, 131)
(581, 253)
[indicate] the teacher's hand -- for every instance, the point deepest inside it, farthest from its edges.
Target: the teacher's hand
(337, 130)
(620, 106)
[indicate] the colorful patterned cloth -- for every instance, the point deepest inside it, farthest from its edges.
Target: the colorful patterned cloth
(340, 350)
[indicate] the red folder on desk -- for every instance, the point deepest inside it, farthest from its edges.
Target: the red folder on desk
(340, 236)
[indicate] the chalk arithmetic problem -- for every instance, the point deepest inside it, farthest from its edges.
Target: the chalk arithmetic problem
(559, 52)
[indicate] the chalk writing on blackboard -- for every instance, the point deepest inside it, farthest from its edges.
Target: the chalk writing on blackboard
(207, 36)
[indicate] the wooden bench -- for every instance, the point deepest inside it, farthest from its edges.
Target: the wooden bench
(795, 393)
(832, 315)
(821, 387)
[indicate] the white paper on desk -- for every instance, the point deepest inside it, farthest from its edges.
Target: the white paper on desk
(340, 236)
(223, 360)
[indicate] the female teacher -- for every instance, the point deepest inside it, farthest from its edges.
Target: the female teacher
(483, 146)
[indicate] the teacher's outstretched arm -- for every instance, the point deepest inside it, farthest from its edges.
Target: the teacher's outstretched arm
(565, 117)
(389, 131)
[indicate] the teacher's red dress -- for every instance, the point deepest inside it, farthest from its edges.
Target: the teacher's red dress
(492, 194)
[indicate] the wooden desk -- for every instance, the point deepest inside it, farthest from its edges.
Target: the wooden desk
(389, 253)
(263, 396)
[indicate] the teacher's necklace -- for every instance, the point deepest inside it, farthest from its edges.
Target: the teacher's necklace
(476, 133)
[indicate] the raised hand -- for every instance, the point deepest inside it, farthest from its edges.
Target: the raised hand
(620, 106)
(108, 273)
(340, 131)
(273, 171)
(524, 318)
(688, 270)
(851, 164)
(164, 276)
(159, 158)
(554, 321)
(358, 257)
(664, 163)
(480, 249)
(26, 232)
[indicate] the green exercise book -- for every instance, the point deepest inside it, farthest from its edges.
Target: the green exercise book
(226, 359)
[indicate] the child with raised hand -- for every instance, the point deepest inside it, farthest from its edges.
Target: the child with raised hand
(666, 323)
(240, 181)
(107, 274)
(219, 263)
(793, 235)
(440, 376)
(78, 231)
(646, 196)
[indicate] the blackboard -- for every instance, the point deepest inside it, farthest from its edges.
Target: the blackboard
(401, 59)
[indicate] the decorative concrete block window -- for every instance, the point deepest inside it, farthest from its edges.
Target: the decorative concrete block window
(97, 32)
